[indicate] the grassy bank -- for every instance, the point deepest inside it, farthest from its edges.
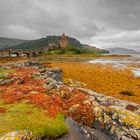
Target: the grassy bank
(22, 116)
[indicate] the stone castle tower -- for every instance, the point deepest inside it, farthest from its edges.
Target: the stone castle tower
(63, 42)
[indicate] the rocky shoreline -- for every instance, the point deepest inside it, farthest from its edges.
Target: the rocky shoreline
(110, 118)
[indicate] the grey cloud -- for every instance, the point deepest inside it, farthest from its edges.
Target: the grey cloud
(88, 20)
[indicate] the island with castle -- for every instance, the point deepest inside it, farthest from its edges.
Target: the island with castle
(51, 44)
(62, 43)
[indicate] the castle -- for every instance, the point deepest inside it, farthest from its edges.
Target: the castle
(63, 41)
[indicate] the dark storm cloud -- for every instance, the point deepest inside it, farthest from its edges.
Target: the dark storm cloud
(106, 23)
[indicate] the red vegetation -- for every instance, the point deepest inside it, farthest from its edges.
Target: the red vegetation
(55, 102)
(15, 92)
(83, 108)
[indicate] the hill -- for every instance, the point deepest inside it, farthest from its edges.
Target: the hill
(122, 51)
(9, 42)
(94, 49)
(44, 42)
(73, 44)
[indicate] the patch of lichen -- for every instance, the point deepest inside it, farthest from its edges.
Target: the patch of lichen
(127, 117)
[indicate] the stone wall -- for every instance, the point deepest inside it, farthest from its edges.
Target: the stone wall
(5, 53)
(10, 53)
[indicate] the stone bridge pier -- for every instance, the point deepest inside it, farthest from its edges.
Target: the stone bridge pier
(28, 53)
(11, 53)
(15, 52)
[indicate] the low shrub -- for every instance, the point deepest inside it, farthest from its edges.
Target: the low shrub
(61, 51)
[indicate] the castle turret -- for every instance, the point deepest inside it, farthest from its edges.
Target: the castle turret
(63, 42)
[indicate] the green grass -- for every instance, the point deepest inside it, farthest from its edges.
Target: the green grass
(5, 70)
(22, 116)
(3, 77)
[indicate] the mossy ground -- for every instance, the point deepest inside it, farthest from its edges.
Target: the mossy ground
(29, 106)
(16, 114)
(23, 116)
(6, 71)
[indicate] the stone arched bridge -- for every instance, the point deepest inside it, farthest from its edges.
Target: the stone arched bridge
(10, 53)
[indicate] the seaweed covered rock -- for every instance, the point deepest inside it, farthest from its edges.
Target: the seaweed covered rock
(55, 74)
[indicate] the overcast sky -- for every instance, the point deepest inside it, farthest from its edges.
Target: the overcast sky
(103, 23)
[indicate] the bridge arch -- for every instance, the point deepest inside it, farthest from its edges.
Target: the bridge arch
(26, 54)
(16, 53)
(34, 54)
(20, 52)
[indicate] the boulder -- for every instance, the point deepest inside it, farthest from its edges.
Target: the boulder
(81, 132)
(18, 135)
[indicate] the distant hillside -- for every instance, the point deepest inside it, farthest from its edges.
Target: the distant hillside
(44, 42)
(94, 49)
(9, 42)
(122, 51)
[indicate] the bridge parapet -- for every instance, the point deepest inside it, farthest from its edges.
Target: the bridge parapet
(16, 52)
(19, 52)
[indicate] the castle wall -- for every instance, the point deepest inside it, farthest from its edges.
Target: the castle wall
(63, 41)
(4, 53)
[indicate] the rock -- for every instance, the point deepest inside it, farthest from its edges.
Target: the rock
(81, 132)
(74, 84)
(20, 81)
(55, 74)
(42, 70)
(73, 109)
(98, 111)
(18, 135)
(64, 94)
(4, 75)
(126, 117)
(138, 112)
(2, 82)
(126, 138)
(5, 82)
(51, 83)
(134, 133)
(112, 130)
(97, 124)
(127, 123)
(108, 100)
(131, 107)
(107, 118)
(32, 63)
